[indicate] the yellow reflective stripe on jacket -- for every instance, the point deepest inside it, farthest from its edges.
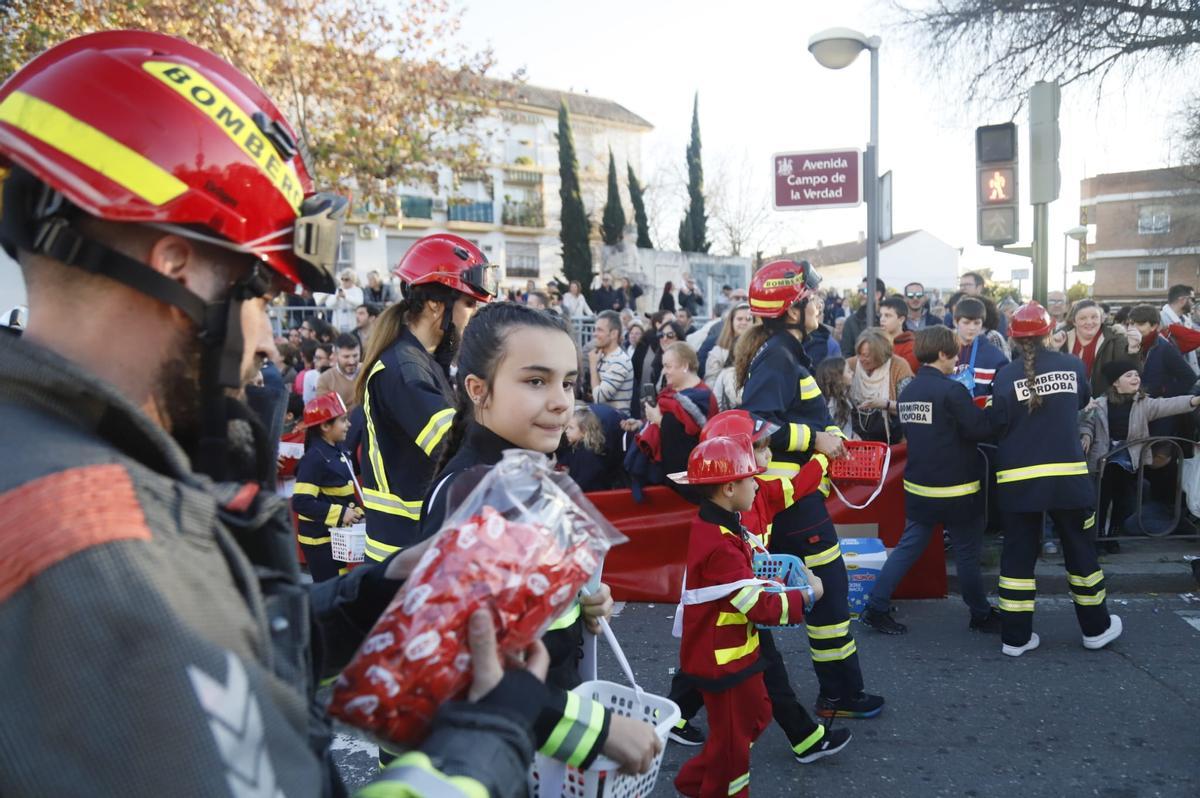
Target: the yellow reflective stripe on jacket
(746, 598)
(783, 616)
(305, 489)
(567, 618)
(829, 632)
(808, 389)
(379, 551)
(799, 437)
(1090, 522)
(339, 490)
(334, 516)
(1091, 580)
(1043, 470)
(739, 784)
(373, 455)
(435, 429)
(391, 504)
(575, 733)
(944, 492)
(1090, 601)
(414, 776)
(834, 654)
(307, 541)
(55, 128)
(724, 656)
(1010, 583)
(731, 619)
(824, 557)
(1010, 605)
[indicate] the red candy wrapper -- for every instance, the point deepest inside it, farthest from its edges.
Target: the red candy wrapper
(522, 543)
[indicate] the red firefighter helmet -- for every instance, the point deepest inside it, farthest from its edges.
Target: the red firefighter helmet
(737, 422)
(780, 284)
(720, 459)
(1031, 320)
(324, 408)
(451, 261)
(133, 126)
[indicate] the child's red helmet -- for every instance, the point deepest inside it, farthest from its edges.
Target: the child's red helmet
(451, 261)
(324, 408)
(737, 422)
(718, 460)
(1031, 320)
(780, 284)
(133, 126)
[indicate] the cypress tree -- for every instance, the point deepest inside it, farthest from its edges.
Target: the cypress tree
(613, 225)
(639, 211)
(575, 226)
(693, 230)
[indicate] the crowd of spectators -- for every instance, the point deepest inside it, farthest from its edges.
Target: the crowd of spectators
(649, 380)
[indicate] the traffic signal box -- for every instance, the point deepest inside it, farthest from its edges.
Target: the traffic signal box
(996, 194)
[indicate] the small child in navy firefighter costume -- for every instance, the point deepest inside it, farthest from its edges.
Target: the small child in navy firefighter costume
(719, 651)
(1041, 468)
(779, 388)
(325, 495)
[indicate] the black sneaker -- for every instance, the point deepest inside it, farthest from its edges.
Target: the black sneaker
(882, 622)
(830, 742)
(685, 733)
(863, 705)
(989, 624)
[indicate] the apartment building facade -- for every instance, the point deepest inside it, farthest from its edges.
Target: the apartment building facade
(1145, 233)
(511, 208)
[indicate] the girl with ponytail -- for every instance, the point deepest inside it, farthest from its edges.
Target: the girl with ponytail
(517, 369)
(1041, 469)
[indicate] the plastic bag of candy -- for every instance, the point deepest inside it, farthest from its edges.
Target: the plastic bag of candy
(522, 543)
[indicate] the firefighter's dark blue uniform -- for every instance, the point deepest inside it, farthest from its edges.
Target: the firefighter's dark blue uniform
(324, 489)
(1040, 467)
(944, 475)
(780, 389)
(409, 408)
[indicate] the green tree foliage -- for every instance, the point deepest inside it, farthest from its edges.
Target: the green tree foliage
(613, 225)
(380, 93)
(638, 200)
(693, 230)
(575, 225)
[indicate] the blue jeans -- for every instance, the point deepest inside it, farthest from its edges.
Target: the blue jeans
(967, 537)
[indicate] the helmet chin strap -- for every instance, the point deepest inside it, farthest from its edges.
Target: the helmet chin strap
(40, 220)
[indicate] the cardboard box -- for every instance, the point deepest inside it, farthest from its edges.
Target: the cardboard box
(864, 558)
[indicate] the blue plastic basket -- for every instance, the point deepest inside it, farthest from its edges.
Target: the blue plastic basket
(782, 568)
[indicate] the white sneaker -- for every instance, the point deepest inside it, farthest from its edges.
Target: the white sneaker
(1016, 651)
(1107, 636)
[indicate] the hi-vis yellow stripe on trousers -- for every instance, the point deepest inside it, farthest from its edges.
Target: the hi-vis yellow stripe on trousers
(944, 492)
(1043, 470)
(120, 164)
(830, 632)
(739, 784)
(823, 557)
(833, 654)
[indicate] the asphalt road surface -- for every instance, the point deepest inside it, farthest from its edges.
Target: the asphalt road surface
(964, 720)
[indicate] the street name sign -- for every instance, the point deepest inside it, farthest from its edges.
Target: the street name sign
(817, 179)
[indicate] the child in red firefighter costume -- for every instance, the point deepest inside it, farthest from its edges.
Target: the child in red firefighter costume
(778, 387)
(325, 494)
(779, 485)
(719, 651)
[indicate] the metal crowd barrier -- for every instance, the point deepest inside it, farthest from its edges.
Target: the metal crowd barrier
(1177, 454)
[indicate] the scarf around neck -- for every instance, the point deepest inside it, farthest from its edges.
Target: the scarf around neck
(864, 386)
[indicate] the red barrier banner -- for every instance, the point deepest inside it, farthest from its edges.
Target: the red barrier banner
(650, 566)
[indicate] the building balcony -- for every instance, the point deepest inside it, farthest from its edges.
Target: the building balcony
(523, 214)
(416, 207)
(522, 177)
(471, 212)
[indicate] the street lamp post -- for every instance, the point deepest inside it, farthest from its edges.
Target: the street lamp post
(837, 48)
(1078, 233)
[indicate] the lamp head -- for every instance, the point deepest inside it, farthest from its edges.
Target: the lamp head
(836, 48)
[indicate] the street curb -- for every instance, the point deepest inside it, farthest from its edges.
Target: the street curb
(1146, 571)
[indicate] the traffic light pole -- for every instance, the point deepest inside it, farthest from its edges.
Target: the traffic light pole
(1041, 251)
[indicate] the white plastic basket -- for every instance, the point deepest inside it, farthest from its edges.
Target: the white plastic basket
(550, 778)
(349, 543)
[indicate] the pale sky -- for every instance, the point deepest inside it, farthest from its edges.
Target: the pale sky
(761, 92)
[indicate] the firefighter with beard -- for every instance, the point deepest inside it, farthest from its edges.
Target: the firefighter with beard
(404, 383)
(778, 386)
(156, 200)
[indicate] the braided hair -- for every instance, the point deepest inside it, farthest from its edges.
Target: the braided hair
(480, 352)
(1029, 348)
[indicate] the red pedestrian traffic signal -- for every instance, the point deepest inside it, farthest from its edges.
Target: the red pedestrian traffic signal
(996, 195)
